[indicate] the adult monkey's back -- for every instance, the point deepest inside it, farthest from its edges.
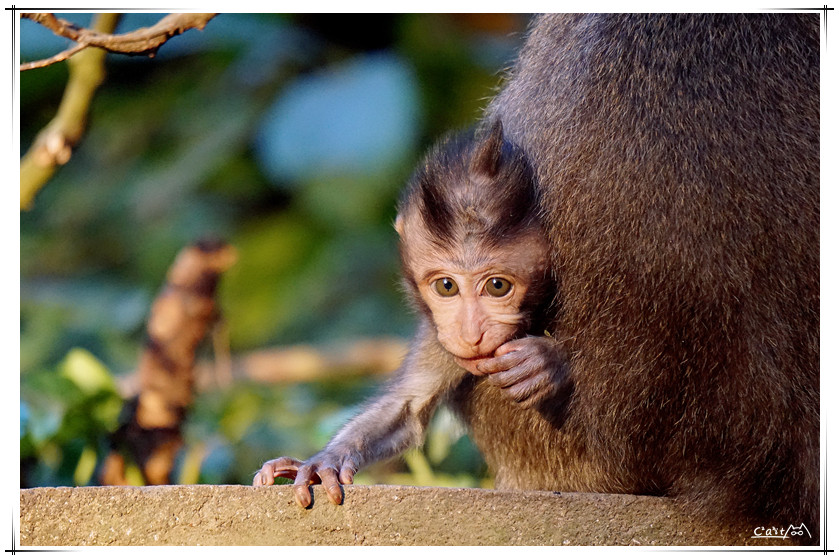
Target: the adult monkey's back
(678, 160)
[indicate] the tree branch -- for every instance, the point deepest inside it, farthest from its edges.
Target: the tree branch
(143, 41)
(63, 55)
(54, 144)
(295, 364)
(303, 363)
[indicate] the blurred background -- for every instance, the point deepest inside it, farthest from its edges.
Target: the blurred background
(289, 136)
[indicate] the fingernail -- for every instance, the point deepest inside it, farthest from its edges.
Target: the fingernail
(336, 495)
(302, 497)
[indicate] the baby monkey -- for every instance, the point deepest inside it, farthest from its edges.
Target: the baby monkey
(476, 263)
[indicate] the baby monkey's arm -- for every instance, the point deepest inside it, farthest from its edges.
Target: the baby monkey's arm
(390, 423)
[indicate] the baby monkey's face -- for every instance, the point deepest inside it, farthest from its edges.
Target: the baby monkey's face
(476, 291)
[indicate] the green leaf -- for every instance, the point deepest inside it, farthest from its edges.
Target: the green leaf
(88, 373)
(85, 467)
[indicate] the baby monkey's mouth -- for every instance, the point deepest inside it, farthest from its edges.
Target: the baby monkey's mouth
(476, 356)
(473, 359)
(472, 364)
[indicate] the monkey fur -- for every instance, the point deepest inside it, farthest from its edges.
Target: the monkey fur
(675, 163)
(470, 215)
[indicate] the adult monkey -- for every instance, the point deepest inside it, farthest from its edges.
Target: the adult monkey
(679, 157)
(676, 160)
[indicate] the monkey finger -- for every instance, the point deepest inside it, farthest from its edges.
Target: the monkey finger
(264, 476)
(302, 495)
(514, 345)
(329, 479)
(516, 373)
(535, 398)
(285, 467)
(470, 365)
(501, 363)
(523, 390)
(289, 473)
(305, 478)
(348, 471)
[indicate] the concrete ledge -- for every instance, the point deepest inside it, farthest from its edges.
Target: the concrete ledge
(371, 515)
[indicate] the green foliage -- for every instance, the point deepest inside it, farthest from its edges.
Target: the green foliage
(290, 137)
(66, 414)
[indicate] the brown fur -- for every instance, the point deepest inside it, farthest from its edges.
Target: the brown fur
(676, 172)
(678, 161)
(472, 187)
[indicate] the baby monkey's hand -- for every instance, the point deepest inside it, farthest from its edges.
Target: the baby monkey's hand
(528, 369)
(327, 468)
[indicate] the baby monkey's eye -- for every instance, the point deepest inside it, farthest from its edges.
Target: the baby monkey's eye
(498, 287)
(446, 287)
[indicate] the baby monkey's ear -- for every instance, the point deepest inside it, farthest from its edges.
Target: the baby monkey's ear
(486, 156)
